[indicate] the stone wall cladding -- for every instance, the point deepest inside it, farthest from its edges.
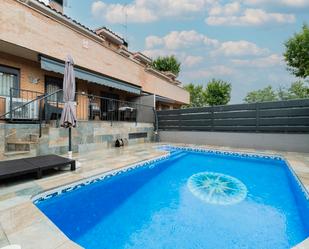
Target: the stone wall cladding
(88, 136)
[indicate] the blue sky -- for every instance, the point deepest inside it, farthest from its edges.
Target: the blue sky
(238, 41)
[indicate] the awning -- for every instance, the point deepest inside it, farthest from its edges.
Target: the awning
(58, 67)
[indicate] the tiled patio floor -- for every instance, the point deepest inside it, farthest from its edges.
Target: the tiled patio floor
(22, 223)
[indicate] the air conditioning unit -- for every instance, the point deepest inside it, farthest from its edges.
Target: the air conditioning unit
(29, 111)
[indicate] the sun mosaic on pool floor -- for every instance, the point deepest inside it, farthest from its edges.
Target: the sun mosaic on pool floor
(216, 188)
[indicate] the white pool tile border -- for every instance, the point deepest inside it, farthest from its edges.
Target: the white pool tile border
(222, 152)
(45, 195)
(298, 181)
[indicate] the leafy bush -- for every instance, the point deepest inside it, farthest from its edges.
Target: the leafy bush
(167, 64)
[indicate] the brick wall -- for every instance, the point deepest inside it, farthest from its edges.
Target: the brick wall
(27, 28)
(28, 71)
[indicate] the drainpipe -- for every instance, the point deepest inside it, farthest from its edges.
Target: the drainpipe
(156, 126)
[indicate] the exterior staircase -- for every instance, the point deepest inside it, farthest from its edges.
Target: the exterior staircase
(22, 146)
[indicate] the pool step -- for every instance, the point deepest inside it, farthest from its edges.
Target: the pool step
(176, 154)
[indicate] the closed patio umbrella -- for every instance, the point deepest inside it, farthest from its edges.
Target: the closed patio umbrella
(68, 115)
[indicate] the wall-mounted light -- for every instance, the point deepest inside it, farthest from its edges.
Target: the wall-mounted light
(34, 80)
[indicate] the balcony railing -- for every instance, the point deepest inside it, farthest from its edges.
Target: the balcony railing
(92, 107)
(20, 105)
(24, 105)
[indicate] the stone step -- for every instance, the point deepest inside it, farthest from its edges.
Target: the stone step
(10, 155)
(18, 146)
(20, 142)
(30, 137)
(15, 153)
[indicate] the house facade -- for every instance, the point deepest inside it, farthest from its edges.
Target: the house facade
(36, 38)
(112, 83)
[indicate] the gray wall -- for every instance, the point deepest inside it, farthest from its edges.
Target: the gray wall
(145, 111)
(264, 141)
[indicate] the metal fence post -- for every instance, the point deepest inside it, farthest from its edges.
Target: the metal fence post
(257, 117)
(40, 117)
(212, 118)
(112, 112)
(11, 104)
(136, 114)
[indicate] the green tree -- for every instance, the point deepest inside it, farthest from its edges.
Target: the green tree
(218, 92)
(282, 93)
(262, 95)
(298, 90)
(197, 96)
(297, 53)
(167, 64)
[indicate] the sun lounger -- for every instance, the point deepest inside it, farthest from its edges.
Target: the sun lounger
(33, 165)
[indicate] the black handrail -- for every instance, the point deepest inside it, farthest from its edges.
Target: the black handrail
(39, 98)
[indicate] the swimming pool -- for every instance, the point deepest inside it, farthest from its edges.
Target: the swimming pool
(190, 199)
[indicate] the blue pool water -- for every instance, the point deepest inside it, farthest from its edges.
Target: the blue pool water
(191, 200)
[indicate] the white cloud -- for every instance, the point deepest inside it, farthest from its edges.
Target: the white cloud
(153, 41)
(115, 13)
(176, 42)
(227, 9)
(191, 60)
(250, 17)
(176, 7)
(262, 62)
(213, 71)
(239, 48)
(142, 11)
(180, 39)
(153, 53)
(288, 3)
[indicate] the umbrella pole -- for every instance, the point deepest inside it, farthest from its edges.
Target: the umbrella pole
(70, 143)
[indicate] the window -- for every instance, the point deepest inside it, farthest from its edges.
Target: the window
(9, 78)
(54, 84)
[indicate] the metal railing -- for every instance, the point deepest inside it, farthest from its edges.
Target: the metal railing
(20, 107)
(16, 106)
(92, 107)
(30, 106)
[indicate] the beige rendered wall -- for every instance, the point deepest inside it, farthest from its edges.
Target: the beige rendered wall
(26, 27)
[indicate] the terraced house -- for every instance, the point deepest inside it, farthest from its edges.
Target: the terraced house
(117, 90)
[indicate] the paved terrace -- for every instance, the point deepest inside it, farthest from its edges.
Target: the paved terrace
(22, 223)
